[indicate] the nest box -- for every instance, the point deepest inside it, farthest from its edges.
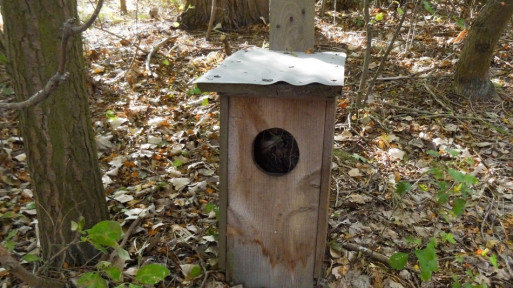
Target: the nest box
(277, 121)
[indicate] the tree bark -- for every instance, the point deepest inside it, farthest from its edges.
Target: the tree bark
(472, 76)
(230, 13)
(122, 6)
(57, 133)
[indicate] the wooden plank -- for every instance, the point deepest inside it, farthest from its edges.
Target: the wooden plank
(322, 228)
(272, 220)
(223, 179)
(291, 25)
(279, 90)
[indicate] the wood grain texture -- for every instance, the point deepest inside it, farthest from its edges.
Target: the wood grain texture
(271, 221)
(223, 180)
(292, 25)
(278, 90)
(322, 226)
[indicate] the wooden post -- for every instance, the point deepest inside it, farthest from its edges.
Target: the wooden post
(291, 25)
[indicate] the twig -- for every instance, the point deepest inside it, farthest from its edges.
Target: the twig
(437, 100)
(212, 17)
(122, 38)
(366, 58)
(384, 58)
(52, 85)
(413, 75)
(60, 76)
(411, 31)
(155, 49)
(372, 254)
(490, 206)
(14, 267)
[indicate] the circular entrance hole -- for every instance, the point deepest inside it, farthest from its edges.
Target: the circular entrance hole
(275, 151)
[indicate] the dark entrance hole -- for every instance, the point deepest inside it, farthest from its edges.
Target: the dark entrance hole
(275, 151)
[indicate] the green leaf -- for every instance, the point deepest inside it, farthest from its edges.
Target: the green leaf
(177, 162)
(443, 197)
(31, 258)
(428, 261)
(122, 253)
(204, 102)
(31, 206)
(458, 206)
(379, 16)
(428, 7)
(358, 157)
(402, 187)
(398, 260)
(194, 91)
(134, 286)
(120, 286)
(114, 273)
(110, 114)
(413, 240)
(9, 245)
(453, 153)
(447, 237)
(437, 172)
(493, 260)
(106, 233)
(400, 11)
(165, 62)
(210, 207)
(78, 226)
(469, 179)
(12, 234)
(152, 274)
(456, 175)
(92, 280)
(195, 272)
(433, 153)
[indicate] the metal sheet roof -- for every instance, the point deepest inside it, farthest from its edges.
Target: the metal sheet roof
(265, 67)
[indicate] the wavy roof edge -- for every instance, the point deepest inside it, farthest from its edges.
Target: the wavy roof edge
(265, 67)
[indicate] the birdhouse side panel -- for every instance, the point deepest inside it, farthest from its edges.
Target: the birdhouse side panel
(271, 220)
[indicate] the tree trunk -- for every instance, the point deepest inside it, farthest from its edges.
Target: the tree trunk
(230, 13)
(57, 133)
(122, 4)
(472, 76)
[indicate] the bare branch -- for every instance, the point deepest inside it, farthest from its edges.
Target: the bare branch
(384, 58)
(40, 95)
(60, 76)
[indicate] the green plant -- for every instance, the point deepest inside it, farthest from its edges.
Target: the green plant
(107, 234)
(453, 189)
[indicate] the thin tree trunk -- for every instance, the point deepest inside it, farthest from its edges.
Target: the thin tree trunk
(57, 133)
(230, 13)
(122, 4)
(472, 76)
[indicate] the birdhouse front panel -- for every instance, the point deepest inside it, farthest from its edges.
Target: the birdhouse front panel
(271, 217)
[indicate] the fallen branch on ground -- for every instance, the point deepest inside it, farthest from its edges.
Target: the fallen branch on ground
(13, 266)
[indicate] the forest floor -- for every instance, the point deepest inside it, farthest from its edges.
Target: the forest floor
(418, 165)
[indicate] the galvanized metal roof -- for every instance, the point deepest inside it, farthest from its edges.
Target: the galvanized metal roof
(265, 67)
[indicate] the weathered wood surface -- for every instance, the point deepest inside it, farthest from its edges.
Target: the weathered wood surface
(291, 25)
(322, 226)
(278, 90)
(223, 180)
(271, 221)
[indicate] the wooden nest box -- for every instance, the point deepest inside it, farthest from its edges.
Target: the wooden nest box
(277, 119)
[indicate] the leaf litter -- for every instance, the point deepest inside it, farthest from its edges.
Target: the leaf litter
(158, 142)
